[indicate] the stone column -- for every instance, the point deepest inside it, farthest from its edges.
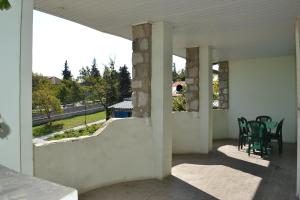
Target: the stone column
(192, 79)
(223, 85)
(141, 70)
(161, 104)
(205, 84)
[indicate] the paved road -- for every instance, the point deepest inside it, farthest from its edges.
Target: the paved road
(44, 138)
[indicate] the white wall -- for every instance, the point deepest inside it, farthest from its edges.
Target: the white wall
(123, 151)
(220, 124)
(188, 137)
(263, 87)
(297, 40)
(15, 85)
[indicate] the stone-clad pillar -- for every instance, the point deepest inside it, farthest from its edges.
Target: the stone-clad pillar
(223, 85)
(192, 79)
(141, 70)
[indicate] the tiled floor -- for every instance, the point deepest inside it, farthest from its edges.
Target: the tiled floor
(225, 173)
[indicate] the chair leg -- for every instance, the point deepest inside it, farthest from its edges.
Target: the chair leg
(239, 142)
(280, 145)
(261, 149)
(249, 148)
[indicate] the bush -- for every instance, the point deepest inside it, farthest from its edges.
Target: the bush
(90, 130)
(179, 103)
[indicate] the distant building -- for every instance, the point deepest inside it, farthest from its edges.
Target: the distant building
(54, 80)
(122, 109)
(177, 88)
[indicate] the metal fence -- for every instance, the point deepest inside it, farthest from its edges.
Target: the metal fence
(38, 119)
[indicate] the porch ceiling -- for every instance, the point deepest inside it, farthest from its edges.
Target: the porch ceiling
(235, 28)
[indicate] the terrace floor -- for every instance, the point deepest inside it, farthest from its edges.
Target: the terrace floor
(225, 173)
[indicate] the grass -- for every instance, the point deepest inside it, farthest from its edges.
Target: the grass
(64, 124)
(76, 133)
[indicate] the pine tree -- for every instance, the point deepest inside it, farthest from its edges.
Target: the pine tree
(125, 83)
(94, 70)
(66, 72)
(174, 73)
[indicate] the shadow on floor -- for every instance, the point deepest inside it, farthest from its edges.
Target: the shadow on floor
(169, 189)
(225, 173)
(278, 176)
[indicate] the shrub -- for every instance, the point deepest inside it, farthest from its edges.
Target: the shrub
(179, 103)
(76, 133)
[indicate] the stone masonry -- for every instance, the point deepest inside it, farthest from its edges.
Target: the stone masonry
(223, 85)
(192, 79)
(141, 70)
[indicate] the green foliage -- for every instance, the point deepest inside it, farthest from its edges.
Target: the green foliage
(67, 75)
(177, 76)
(4, 5)
(76, 92)
(215, 90)
(179, 103)
(45, 101)
(94, 70)
(84, 76)
(125, 83)
(64, 94)
(77, 133)
(39, 80)
(64, 124)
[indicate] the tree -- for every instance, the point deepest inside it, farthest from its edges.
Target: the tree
(77, 93)
(94, 70)
(4, 5)
(100, 92)
(63, 94)
(174, 73)
(84, 75)
(125, 83)
(39, 80)
(111, 78)
(67, 75)
(46, 102)
(181, 75)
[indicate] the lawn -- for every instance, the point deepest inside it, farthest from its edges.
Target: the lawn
(64, 124)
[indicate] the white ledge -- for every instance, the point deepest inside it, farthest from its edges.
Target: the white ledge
(14, 185)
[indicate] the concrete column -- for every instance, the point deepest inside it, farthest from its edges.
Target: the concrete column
(15, 86)
(223, 85)
(141, 70)
(298, 101)
(161, 96)
(192, 79)
(205, 85)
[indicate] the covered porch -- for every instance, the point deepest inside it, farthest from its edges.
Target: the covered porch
(224, 173)
(254, 42)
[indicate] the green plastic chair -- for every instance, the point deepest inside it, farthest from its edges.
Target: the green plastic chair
(278, 135)
(263, 118)
(243, 132)
(257, 137)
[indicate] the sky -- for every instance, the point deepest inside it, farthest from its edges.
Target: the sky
(56, 40)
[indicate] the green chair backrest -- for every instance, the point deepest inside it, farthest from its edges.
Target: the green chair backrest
(257, 129)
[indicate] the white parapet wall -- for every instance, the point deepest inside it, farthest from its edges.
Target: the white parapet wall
(220, 124)
(122, 151)
(188, 137)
